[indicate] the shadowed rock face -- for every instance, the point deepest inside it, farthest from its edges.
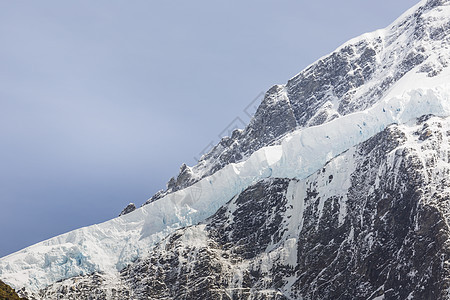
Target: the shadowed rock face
(350, 79)
(130, 208)
(7, 292)
(372, 222)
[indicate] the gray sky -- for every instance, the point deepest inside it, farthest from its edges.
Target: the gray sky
(102, 101)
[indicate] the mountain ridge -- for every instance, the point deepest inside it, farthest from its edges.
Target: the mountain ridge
(306, 101)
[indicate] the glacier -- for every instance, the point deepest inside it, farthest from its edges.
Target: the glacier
(110, 246)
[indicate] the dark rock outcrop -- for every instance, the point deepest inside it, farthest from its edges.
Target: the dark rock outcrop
(130, 208)
(8, 293)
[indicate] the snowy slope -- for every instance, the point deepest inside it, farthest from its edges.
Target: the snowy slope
(110, 246)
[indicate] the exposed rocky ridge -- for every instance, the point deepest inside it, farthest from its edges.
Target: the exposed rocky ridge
(130, 208)
(372, 223)
(350, 79)
(8, 293)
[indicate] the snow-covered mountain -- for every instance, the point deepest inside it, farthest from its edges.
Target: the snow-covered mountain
(353, 78)
(370, 224)
(337, 189)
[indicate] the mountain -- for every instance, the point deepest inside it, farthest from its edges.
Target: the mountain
(351, 79)
(337, 189)
(370, 223)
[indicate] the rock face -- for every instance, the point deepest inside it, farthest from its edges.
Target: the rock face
(130, 208)
(352, 78)
(7, 292)
(371, 223)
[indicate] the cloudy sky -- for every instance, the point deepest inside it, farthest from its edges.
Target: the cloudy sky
(102, 101)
